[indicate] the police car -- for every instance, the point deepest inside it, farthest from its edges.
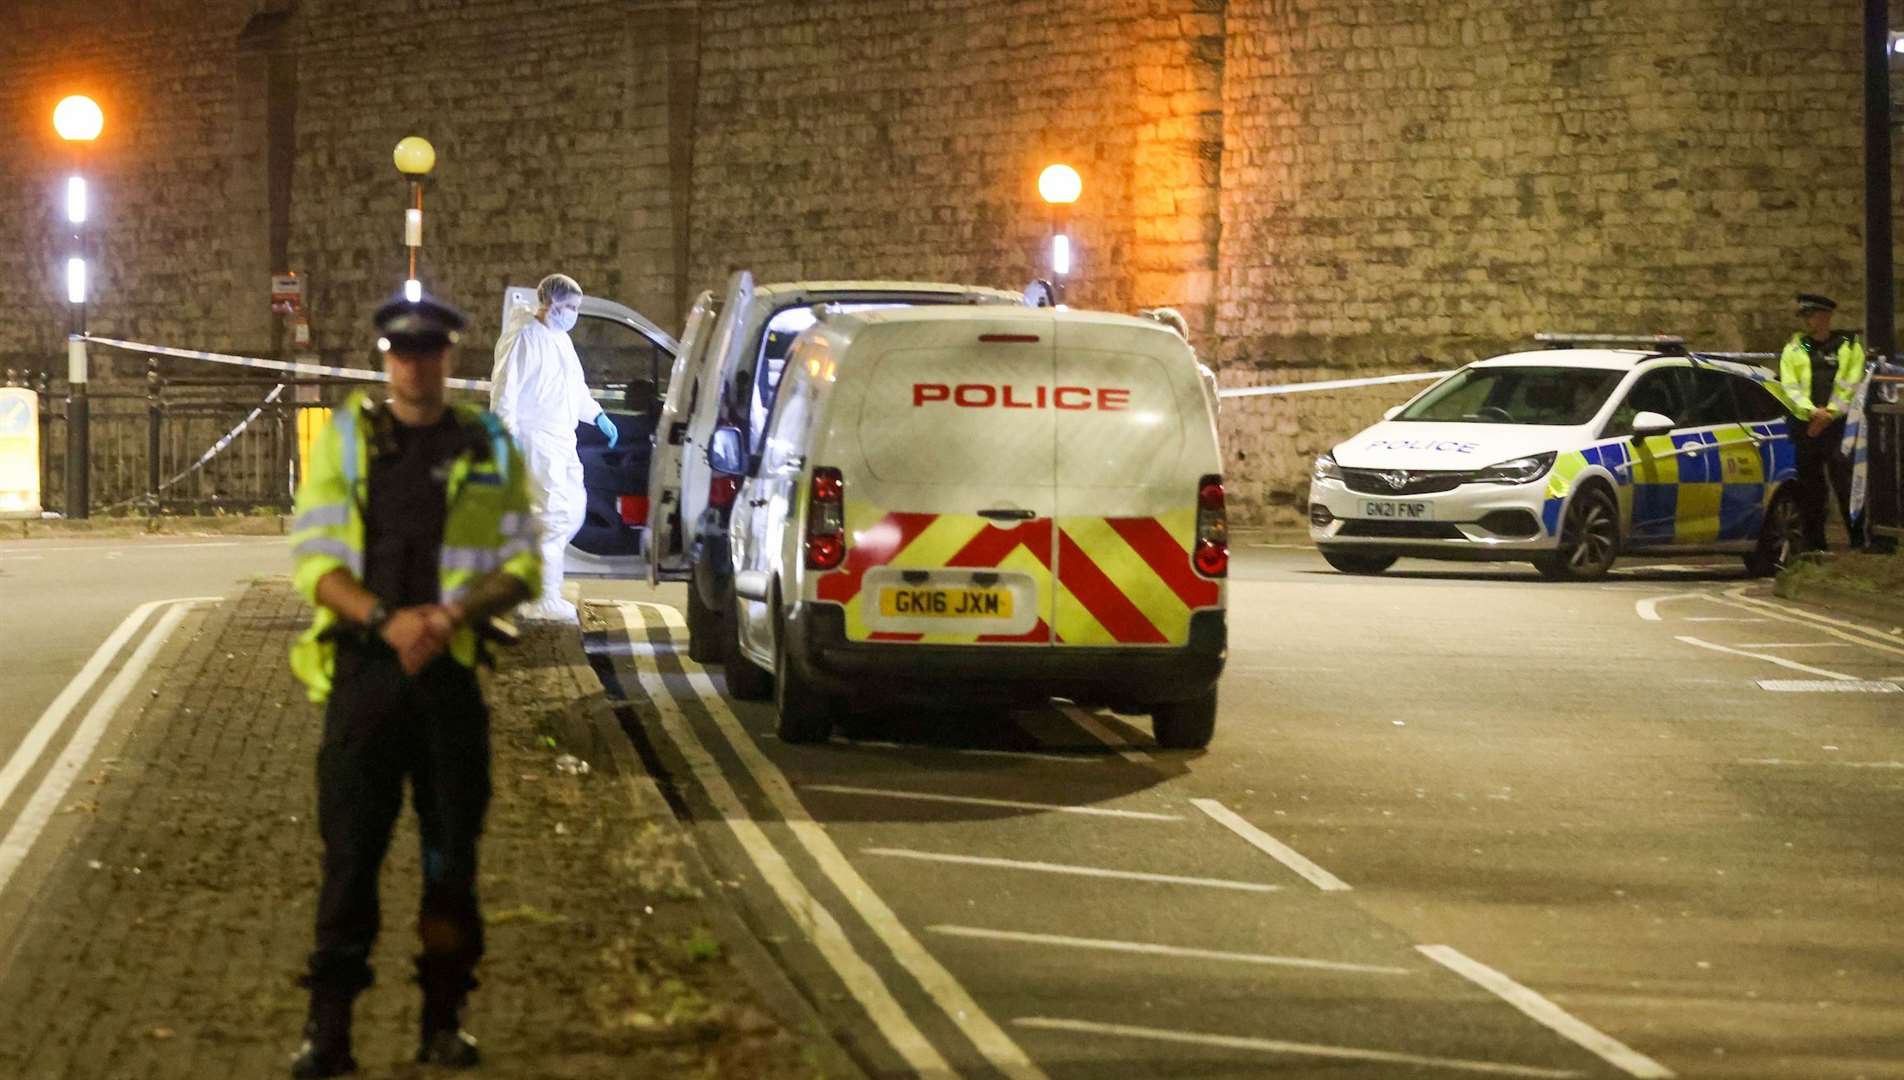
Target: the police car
(1567, 458)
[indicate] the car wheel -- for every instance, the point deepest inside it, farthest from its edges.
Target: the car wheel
(1781, 537)
(1185, 725)
(745, 679)
(1358, 562)
(806, 715)
(704, 628)
(1589, 539)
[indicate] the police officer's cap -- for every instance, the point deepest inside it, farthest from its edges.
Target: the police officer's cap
(1809, 302)
(419, 325)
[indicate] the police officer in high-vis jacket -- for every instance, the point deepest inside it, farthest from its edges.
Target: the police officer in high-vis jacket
(413, 528)
(1820, 369)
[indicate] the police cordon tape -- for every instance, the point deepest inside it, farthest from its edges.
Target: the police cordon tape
(216, 449)
(366, 375)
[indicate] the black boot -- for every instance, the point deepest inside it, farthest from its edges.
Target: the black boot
(326, 1049)
(444, 1041)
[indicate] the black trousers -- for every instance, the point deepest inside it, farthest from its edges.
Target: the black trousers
(1819, 461)
(380, 728)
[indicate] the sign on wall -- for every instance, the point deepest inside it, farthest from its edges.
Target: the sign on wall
(19, 451)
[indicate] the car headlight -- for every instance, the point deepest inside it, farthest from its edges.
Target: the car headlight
(1521, 470)
(1326, 468)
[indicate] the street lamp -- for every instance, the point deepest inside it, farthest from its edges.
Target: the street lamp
(415, 157)
(78, 120)
(1060, 186)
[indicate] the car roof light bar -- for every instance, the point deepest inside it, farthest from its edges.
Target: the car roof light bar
(1670, 344)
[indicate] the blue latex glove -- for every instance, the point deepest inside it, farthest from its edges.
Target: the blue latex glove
(608, 428)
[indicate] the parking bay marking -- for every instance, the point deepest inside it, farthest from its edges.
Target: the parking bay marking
(945, 991)
(1280, 1046)
(92, 727)
(819, 925)
(1547, 1014)
(1271, 846)
(1174, 951)
(1004, 804)
(1858, 635)
(1033, 755)
(1829, 686)
(1068, 868)
(1103, 733)
(1779, 660)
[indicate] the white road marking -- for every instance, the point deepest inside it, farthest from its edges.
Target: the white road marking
(1648, 608)
(1067, 868)
(1546, 1013)
(1270, 846)
(59, 779)
(121, 549)
(1723, 618)
(1859, 635)
(20, 558)
(670, 615)
(1006, 804)
(1103, 733)
(945, 991)
(1792, 645)
(1069, 759)
(819, 925)
(55, 714)
(1815, 764)
(1280, 1046)
(1828, 686)
(1779, 660)
(1173, 951)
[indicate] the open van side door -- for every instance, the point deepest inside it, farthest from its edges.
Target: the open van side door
(667, 558)
(704, 417)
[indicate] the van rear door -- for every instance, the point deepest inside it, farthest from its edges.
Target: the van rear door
(1133, 439)
(950, 506)
(666, 555)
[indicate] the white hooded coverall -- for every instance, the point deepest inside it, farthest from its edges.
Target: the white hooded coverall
(538, 392)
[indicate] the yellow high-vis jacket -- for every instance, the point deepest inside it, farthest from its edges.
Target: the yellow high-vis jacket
(1794, 371)
(489, 527)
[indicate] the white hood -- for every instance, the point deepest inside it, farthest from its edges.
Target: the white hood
(1395, 444)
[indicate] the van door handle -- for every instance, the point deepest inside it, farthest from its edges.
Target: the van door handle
(1008, 515)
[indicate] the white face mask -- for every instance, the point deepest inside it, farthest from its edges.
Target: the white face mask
(562, 320)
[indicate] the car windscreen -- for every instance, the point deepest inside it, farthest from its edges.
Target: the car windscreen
(1548, 396)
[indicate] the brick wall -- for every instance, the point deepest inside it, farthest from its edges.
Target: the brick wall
(162, 71)
(1327, 187)
(1413, 183)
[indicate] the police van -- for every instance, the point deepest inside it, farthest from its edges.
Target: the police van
(726, 375)
(992, 503)
(1567, 458)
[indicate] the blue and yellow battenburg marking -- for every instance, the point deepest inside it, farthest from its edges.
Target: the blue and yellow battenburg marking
(1697, 488)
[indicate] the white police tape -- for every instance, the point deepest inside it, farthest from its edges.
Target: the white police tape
(1331, 384)
(286, 366)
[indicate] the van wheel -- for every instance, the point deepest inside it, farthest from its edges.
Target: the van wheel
(806, 715)
(1781, 538)
(704, 628)
(1358, 562)
(1589, 539)
(745, 680)
(1185, 725)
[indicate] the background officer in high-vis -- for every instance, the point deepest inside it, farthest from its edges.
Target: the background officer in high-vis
(413, 528)
(1820, 369)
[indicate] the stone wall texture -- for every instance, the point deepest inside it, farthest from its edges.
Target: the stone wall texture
(1325, 187)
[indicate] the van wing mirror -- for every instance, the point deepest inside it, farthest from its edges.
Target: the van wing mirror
(1652, 423)
(751, 585)
(724, 451)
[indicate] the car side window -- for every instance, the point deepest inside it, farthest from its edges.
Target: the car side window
(1756, 403)
(1660, 390)
(1712, 401)
(616, 356)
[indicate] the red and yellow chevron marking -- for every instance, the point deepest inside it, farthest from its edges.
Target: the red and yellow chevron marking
(1120, 581)
(1128, 581)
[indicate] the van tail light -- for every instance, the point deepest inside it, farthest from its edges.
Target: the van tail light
(1212, 554)
(826, 520)
(722, 490)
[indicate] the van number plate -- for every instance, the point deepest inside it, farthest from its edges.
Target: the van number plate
(1398, 511)
(946, 603)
